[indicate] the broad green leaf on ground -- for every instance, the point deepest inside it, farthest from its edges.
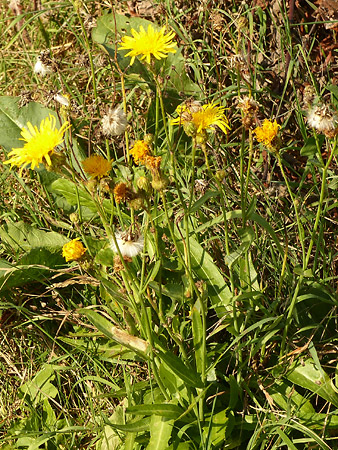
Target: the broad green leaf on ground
(309, 376)
(215, 428)
(287, 398)
(246, 235)
(42, 251)
(110, 439)
(187, 374)
(22, 237)
(74, 194)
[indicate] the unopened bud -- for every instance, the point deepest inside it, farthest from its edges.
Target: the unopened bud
(143, 183)
(220, 174)
(160, 183)
(74, 218)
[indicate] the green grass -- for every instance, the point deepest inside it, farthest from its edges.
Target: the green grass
(221, 333)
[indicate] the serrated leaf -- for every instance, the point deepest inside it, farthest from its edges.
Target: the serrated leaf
(22, 237)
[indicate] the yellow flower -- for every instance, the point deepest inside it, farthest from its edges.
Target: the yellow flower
(148, 43)
(199, 119)
(40, 144)
(96, 166)
(73, 250)
(140, 152)
(267, 133)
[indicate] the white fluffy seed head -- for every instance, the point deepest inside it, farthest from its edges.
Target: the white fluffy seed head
(41, 69)
(128, 244)
(322, 119)
(114, 122)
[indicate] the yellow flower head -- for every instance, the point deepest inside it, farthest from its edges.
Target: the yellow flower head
(202, 119)
(140, 152)
(267, 133)
(96, 166)
(40, 144)
(73, 250)
(148, 43)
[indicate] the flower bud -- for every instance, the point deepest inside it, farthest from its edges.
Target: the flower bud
(143, 184)
(160, 183)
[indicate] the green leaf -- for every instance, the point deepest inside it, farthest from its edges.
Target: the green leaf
(200, 202)
(166, 410)
(22, 237)
(247, 235)
(215, 429)
(138, 426)
(198, 337)
(288, 398)
(187, 374)
(160, 432)
(115, 333)
(206, 270)
(40, 387)
(74, 194)
(310, 376)
(105, 257)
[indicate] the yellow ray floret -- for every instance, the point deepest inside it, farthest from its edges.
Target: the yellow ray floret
(40, 144)
(204, 118)
(96, 166)
(267, 133)
(148, 43)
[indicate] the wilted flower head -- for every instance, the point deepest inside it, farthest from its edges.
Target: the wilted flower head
(323, 119)
(73, 250)
(130, 243)
(267, 134)
(40, 144)
(197, 119)
(123, 193)
(148, 43)
(249, 108)
(96, 166)
(114, 122)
